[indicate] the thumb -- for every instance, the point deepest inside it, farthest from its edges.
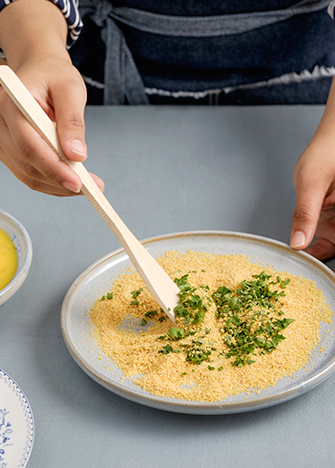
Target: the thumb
(309, 199)
(69, 108)
(69, 113)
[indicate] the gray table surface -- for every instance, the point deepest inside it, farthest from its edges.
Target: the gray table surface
(166, 169)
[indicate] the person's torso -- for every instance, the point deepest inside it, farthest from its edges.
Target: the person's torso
(184, 63)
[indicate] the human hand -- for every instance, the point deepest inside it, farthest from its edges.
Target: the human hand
(59, 89)
(314, 214)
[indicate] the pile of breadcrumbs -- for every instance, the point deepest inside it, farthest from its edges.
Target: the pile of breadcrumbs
(136, 346)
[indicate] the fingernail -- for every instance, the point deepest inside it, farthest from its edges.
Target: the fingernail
(78, 147)
(72, 186)
(298, 239)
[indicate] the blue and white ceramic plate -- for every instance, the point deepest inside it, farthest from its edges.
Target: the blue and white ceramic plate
(16, 424)
(97, 279)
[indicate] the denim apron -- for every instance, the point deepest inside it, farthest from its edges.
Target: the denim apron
(135, 56)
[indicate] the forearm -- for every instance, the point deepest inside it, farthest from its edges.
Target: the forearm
(31, 30)
(34, 35)
(326, 128)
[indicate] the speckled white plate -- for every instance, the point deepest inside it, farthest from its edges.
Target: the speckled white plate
(98, 279)
(16, 424)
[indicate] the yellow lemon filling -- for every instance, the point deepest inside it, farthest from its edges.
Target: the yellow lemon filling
(8, 259)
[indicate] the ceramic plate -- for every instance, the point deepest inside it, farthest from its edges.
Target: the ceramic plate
(16, 424)
(24, 249)
(98, 279)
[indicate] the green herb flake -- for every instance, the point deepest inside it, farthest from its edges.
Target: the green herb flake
(249, 317)
(107, 296)
(250, 320)
(176, 333)
(151, 313)
(136, 293)
(166, 350)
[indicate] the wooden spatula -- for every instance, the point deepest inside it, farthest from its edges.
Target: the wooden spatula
(161, 286)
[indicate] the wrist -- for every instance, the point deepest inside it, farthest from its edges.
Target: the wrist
(31, 30)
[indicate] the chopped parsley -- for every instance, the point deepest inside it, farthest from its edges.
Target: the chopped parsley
(249, 318)
(107, 296)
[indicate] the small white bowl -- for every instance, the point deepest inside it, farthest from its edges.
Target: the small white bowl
(24, 249)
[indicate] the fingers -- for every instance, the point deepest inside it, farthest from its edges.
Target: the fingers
(305, 218)
(322, 249)
(62, 95)
(31, 160)
(34, 183)
(324, 246)
(311, 188)
(38, 182)
(100, 183)
(32, 155)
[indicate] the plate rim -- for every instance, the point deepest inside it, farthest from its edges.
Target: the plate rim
(196, 407)
(29, 432)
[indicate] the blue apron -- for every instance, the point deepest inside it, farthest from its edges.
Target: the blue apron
(218, 52)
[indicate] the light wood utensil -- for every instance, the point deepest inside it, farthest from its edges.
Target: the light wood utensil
(161, 286)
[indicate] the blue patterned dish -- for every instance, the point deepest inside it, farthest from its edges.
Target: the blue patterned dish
(16, 424)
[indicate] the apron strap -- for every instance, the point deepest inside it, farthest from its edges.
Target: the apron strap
(122, 78)
(209, 26)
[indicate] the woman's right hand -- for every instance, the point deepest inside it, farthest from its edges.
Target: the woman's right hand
(36, 52)
(59, 89)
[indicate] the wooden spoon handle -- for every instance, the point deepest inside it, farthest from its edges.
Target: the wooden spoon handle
(161, 286)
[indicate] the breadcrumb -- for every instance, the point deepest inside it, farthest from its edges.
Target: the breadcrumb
(136, 348)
